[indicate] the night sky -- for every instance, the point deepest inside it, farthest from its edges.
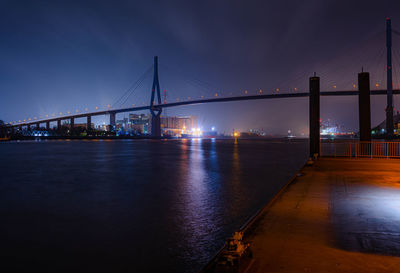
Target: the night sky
(59, 56)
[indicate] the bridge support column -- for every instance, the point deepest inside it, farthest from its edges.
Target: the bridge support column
(28, 127)
(314, 116)
(38, 126)
(47, 125)
(89, 123)
(72, 123)
(364, 106)
(112, 121)
(59, 124)
(156, 126)
(20, 127)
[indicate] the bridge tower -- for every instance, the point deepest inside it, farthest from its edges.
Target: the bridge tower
(389, 107)
(155, 109)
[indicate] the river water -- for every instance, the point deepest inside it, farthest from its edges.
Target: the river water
(132, 205)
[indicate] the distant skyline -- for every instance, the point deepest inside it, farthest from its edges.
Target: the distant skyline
(59, 56)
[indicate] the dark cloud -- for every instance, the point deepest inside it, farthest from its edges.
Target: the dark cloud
(61, 55)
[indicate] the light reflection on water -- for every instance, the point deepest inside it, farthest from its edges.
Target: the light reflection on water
(144, 205)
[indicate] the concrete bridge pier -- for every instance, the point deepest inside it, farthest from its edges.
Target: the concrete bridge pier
(314, 116)
(112, 121)
(156, 126)
(59, 124)
(72, 123)
(364, 106)
(37, 125)
(89, 123)
(48, 125)
(28, 127)
(364, 112)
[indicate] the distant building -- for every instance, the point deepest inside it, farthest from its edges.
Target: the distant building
(177, 126)
(79, 125)
(140, 124)
(122, 124)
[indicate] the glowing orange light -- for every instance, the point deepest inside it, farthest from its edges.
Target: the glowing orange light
(246, 92)
(377, 85)
(334, 86)
(216, 94)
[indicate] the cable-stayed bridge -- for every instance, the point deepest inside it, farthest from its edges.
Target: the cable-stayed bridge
(157, 103)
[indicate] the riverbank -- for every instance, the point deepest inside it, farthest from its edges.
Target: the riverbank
(339, 215)
(30, 138)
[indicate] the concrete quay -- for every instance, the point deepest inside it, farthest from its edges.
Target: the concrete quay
(340, 215)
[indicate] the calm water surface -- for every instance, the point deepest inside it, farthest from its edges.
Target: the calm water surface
(132, 206)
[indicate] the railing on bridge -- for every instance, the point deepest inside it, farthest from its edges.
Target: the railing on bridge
(373, 149)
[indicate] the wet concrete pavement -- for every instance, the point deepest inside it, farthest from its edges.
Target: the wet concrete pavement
(342, 215)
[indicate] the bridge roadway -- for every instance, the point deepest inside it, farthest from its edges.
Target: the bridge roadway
(199, 101)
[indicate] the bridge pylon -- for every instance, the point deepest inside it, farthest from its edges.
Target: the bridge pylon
(155, 110)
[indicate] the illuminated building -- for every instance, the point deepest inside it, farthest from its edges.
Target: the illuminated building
(178, 126)
(140, 123)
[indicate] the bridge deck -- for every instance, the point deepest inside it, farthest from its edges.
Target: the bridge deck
(343, 215)
(197, 101)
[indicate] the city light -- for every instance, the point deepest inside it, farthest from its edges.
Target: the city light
(197, 132)
(213, 128)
